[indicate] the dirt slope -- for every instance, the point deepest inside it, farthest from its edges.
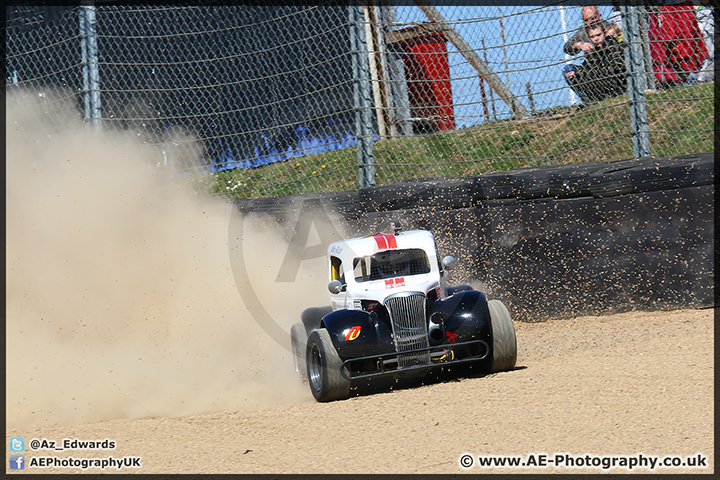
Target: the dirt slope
(619, 385)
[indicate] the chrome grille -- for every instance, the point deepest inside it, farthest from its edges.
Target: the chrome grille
(409, 326)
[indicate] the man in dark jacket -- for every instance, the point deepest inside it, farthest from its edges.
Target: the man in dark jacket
(603, 74)
(580, 42)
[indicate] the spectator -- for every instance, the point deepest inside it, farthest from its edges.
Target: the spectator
(616, 15)
(676, 44)
(603, 74)
(580, 42)
(613, 30)
(706, 21)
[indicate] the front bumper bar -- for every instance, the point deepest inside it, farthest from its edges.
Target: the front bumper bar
(446, 358)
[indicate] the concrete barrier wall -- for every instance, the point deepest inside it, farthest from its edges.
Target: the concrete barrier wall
(553, 242)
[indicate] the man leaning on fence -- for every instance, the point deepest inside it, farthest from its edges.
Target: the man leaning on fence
(602, 74)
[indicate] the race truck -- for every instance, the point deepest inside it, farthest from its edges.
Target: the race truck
(392, 314)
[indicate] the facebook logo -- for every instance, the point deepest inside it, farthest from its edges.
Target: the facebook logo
(17, 462)
(17, 444)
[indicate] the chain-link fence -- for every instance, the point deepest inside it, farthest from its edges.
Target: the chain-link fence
(265, 101)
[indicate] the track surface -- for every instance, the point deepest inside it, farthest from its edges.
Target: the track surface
(615, 385)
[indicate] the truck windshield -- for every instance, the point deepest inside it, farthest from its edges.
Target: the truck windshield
(391, 264)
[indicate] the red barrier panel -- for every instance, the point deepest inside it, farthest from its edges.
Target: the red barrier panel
(428, 78)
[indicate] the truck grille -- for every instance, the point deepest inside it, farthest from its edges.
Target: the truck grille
(409, 326)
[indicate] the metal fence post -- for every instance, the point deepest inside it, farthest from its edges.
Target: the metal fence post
(362, 97)
(637, 81)
(399, 95)
(91, 72)
(644, 31)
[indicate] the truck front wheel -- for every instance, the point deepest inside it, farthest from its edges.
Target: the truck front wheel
(504, 344)
(323, 368)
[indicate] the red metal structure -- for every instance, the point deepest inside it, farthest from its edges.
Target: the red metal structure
(428, 79)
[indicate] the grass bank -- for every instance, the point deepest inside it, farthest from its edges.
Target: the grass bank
(680, 121)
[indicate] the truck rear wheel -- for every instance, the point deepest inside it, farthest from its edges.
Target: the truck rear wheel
(504, 344)
(323, 368)
(298, 342)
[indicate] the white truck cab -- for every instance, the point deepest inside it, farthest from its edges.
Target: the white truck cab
(365, 271)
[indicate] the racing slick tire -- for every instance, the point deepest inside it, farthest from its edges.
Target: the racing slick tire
(504, 344)
(323, 368)
(298, 341)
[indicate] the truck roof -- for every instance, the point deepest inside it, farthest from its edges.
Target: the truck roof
(372, 244)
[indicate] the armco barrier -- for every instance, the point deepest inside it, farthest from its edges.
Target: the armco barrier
(554, 242)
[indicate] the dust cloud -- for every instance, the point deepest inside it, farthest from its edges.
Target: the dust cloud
(121, 301)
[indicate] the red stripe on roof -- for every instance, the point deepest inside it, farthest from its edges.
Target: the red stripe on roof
(385, 242)
(381, 241)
